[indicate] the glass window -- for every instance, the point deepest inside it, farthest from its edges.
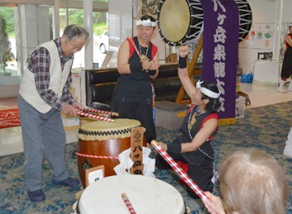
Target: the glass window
(100, 33)
(8, 64)
(100, 36)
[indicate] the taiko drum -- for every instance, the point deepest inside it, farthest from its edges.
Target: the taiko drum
(182, 21)
(104, 139)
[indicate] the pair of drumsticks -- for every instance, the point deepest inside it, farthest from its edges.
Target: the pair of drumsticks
(81, 112)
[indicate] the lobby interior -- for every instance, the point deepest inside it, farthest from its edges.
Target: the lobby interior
(263, 90)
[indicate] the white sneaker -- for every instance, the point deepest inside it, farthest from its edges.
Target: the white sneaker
(282, 90)
(287, 151)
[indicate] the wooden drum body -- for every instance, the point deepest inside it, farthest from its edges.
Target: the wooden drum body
(105, 139)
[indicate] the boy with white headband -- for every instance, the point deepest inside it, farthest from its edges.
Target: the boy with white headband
(138, 63)
(193, 149)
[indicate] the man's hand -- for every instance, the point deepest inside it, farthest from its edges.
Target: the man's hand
(70, 110)
(78, 105)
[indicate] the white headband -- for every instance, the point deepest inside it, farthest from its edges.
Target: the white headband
(206, 91)
(146, 23)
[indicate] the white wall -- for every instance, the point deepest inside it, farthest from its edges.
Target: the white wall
(266, 15)
(9, 87)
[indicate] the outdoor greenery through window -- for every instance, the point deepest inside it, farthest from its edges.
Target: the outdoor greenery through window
(76, 17)
(100, 27)
(7, 43)
(10, 56)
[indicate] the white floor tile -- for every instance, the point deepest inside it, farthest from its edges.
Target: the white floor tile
(71, 136)
(12, 149)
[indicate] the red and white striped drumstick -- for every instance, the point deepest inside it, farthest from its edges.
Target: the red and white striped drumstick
(96, 156)
(94, 116)
(179, 170)
(100, 111)
(128, 204)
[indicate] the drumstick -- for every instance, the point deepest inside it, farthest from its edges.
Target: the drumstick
(179, 170)
(128, 203)
(100, 111)
(94, 116)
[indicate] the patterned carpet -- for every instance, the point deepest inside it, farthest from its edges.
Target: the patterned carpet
(265, 128)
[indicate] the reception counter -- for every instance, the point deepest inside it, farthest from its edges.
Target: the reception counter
(267, 71)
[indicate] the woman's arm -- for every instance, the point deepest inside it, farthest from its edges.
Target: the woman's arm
(208, 129)
(288, 40)
(123, 58)
(155, 66)
(184, 75)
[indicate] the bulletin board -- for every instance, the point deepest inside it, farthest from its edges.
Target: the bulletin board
(261, 36)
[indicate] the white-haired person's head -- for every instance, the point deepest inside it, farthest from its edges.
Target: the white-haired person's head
(253, 182)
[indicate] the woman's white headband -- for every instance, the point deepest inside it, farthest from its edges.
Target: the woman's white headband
(206, 91)
(146, 23)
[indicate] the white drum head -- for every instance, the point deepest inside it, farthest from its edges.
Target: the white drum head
(147, 195)
(175, 19)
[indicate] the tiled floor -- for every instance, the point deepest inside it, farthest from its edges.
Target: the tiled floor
(259, 94)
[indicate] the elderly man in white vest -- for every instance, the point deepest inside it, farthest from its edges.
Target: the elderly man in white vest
(43, 95)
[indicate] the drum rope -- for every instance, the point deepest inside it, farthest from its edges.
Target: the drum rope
(96, 156)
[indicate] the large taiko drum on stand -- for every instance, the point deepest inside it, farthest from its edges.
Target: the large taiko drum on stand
(104, 139)
(181, 21)
(147, 195)
(245, 18)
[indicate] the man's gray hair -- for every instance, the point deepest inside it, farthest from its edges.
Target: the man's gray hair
(72, 31)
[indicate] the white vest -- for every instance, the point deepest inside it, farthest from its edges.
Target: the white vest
(57, 80)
